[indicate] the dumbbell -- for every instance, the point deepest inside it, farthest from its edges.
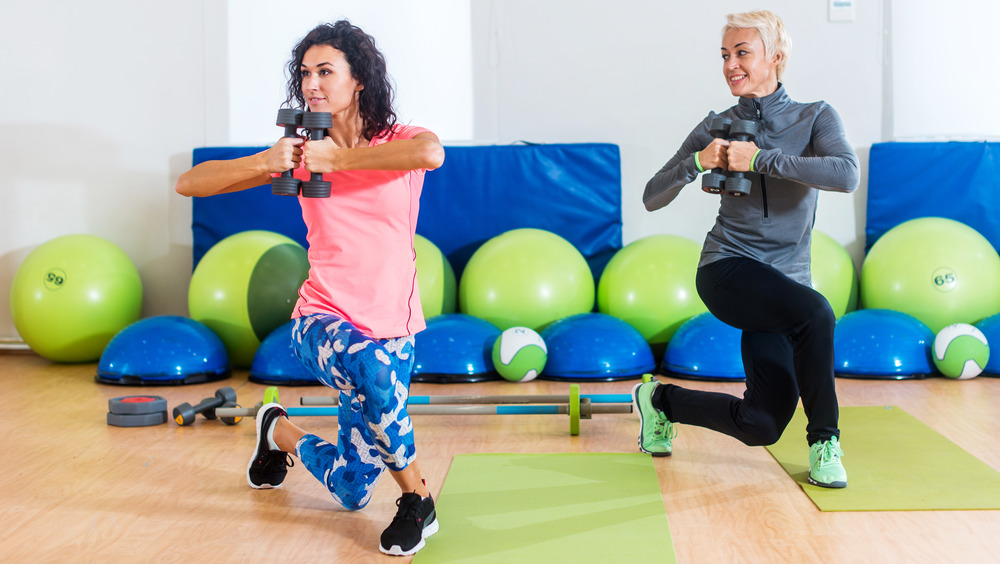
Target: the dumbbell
(738, 184)
(714, 180)
(184, 414)
(316, 123)
(286, 184)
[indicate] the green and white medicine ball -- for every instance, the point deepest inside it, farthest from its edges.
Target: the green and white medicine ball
(961, 351)
(519, 354)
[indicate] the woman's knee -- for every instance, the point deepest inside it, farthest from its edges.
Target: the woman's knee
(767, 428)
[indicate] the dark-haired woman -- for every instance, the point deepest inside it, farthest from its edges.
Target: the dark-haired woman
(359, 308)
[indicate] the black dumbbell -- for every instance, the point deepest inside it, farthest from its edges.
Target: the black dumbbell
(743, 130)
(184, 414)
(714, 180)
(286, 184)
(316, 123)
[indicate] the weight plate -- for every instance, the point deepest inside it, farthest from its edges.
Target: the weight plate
(137, 405)
(574, 409)
(141, 420)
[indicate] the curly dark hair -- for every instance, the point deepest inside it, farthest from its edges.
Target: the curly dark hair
(367, 67)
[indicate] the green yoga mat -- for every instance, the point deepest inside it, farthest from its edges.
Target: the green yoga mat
(894, 463)
(524, 508)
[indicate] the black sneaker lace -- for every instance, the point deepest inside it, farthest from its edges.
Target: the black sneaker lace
(408, 512)
(276, 457)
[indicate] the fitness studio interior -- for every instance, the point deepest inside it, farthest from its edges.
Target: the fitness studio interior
(142, 332)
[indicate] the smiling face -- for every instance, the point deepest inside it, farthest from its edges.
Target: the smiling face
(748, 70)
(327, 83)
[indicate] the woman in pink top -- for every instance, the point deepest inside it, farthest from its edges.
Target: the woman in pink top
(359, 308)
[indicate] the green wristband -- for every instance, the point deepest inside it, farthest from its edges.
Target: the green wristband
(754, 160)
(697, 163)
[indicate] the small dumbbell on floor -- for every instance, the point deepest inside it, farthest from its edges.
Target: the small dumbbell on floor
(184, 414)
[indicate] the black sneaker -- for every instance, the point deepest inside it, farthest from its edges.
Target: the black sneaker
(268, 465)
(415, 520)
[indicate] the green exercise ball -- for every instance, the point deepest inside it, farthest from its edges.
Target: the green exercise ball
(650, 284)
(833, 273)
(245, 287)
(72, 294)
(526, 277)
(435, 278)
(938, 270)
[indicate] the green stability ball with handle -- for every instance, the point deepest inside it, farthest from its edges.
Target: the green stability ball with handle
(245, 287)
(650, 284)
(72, 294)
(935, 269)
(526, 278)
(435, 278)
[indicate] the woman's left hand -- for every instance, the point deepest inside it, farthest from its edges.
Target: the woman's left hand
(320, 156)
(740, 155)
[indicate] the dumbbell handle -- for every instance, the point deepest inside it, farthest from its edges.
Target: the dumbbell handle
(738, 184)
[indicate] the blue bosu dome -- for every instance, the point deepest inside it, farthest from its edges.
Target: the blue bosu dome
(595, 347)
(704, 348)
(882, 344)
(163, 350)
(275, 363)
(991, 329)
(455, 347)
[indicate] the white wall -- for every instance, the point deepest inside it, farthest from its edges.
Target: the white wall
(104, 100)
(943, 80)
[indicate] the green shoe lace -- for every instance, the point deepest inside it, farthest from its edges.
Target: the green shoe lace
(825, 468)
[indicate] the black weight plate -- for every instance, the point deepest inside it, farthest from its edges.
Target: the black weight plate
(141, 420)
(137, 405)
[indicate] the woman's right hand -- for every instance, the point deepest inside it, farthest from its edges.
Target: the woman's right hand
(715, 155)
(284, 155)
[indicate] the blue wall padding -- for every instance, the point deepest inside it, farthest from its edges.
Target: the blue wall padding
(573, 190)
(956, 180)
(217, 217)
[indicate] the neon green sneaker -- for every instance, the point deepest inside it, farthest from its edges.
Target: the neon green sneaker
(655, 430)
(825, 468)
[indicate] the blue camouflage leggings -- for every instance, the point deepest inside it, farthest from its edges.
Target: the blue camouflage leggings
(373, 376)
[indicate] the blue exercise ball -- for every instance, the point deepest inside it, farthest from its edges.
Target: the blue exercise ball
(991, 329)
(595, 347)
(704, 348)
(455, 347)
(275, 363)
(882, 344)
(164, 350)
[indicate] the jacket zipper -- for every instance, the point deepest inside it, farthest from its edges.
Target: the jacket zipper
(763, 188)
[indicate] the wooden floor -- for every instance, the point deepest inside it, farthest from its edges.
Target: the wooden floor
(74, 489)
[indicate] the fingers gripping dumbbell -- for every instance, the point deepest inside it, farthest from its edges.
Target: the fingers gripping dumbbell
(286, 184)
(184, 414)
(317, 124)
(743, 130)
(714, 180)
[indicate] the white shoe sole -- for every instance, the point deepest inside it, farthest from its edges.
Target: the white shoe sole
(394, 550)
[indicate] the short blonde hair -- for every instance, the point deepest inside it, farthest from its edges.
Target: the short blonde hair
(771, 30)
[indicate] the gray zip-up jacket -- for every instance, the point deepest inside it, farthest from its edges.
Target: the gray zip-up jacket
(803, 149)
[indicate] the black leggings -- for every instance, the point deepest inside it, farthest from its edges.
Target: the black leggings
(787, 348)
